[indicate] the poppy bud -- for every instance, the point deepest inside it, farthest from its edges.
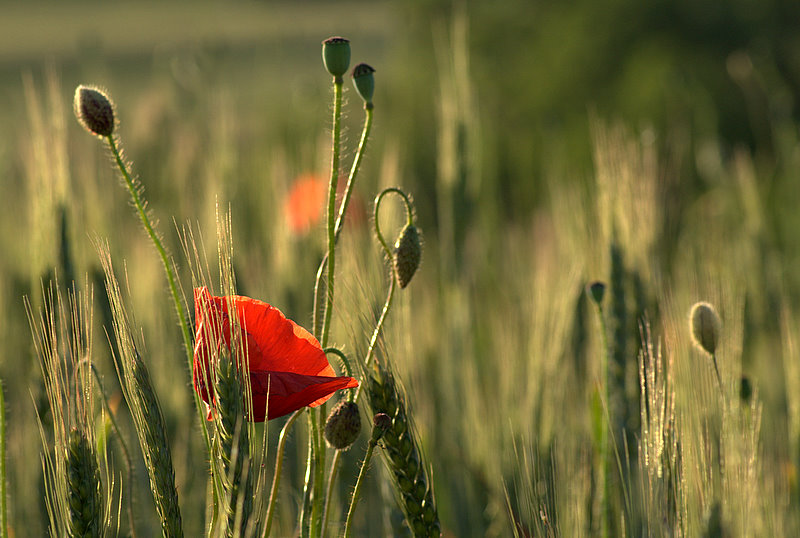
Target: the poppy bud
(407, 254)
(381, 423)
(94, 110)
(336, 55)
(705, 326)
(343, 425)
(364, 82)
(597, 290)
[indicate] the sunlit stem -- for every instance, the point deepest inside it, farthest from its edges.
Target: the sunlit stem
(716, 370)
(276, 479)
(348, 191)
(387, 305)
(140, 205)
(605, 449)
(317, 443)
(3, 492)
(373, 442)
(409, 215)
(140, 208)
(331, 214)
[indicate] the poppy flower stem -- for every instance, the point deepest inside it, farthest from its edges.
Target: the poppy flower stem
(409, 215)
(141, 207)
(331, 214)
(373, 442)
(3, 492)
(348, 191)
(276, 478)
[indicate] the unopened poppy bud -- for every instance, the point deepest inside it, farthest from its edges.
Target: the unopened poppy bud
(597, 290)
(407, 254)
(336, 55)
(364, 82)
(94, 110)
(705, 325)
(343, 425)
(381, 423)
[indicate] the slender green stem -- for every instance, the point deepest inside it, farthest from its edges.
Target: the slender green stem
(3, 492)
(329, 492)
(376, 333)
(409, 215)
(337, 130)
(305, 509)
(317, 443)
(276, 479)
(318, 289)
(716, 369)
(348, 191)
(373, 442)
(141, 209)
(605, 449)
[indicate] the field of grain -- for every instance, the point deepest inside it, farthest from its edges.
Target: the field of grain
(579, 188)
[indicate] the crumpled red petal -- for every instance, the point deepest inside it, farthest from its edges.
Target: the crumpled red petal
(288, 368)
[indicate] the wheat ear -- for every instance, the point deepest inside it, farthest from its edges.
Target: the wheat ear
(403, 457)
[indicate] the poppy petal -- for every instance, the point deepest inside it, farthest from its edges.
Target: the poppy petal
(280, 393)
(287, 365)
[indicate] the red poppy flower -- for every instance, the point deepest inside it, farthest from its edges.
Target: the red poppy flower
(288, 369)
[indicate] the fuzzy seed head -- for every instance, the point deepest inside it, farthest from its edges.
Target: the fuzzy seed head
(596, 291)
(336, 55)
(364, 82)
(705, 326)
(343, 425)
(407, 254)
(94, 110)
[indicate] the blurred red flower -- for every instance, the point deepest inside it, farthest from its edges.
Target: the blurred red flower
(304, 205)
(288, 369)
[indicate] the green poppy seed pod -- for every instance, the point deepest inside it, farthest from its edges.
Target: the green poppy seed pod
(94, 110)
(343, 425)
(596, 291)
(336, 55)
(364, 81)
(407, 254)
(381, 423)
(705, 325)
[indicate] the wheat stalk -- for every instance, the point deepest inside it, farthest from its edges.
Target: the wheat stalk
(402, 454)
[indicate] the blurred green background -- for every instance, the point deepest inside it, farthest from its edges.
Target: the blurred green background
(486, 111)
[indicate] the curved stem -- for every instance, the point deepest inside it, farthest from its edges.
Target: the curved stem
(378, 327)
(348, 191)
(276, 479)
(357, 490)
(409, 214)
(141, 205)
(141, 209)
